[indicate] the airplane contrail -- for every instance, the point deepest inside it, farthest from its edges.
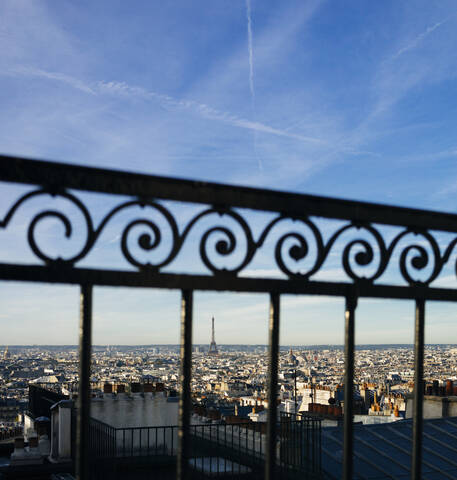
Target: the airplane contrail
(251, 77)
(250, 49)
(420, 37)
(122, 89)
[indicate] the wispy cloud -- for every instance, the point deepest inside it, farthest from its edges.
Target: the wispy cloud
(251, 76)
(415, 42)
(57, 76)
(250, 50)
(448, 189)
(393, 81)
(122, 89)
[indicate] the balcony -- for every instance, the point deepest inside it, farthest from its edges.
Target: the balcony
(235, 450)
(382, 239)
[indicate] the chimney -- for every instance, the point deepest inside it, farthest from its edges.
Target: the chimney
(148, 388)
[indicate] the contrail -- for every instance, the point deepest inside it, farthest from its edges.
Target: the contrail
(420, 37)
(122, 89)
(250, 50)
(251, 77)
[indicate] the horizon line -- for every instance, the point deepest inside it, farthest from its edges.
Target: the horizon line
(219, 345)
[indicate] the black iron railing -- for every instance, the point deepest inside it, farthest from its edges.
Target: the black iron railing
(102, 439)
(10, 432)
(233, 450)
(301, 443)
(371, 240)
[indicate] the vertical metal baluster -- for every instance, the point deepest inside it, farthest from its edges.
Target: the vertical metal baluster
(172, 440)
(253, 442)
(217, 443)
(351, 304)
(185, 379)
(239, 450)
(246, 436)
(85, 341)
(416, 463)
(270, 462)
(260, 442)
(211, 442)
(319, 451)
(218, 447)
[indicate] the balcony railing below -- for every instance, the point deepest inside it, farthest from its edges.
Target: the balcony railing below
(231, 450)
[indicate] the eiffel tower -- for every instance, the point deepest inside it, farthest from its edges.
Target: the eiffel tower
(212, 346)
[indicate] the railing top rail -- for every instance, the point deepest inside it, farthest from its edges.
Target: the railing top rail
(254, 425)
(99, 422)
(228, 248)
(61, 175)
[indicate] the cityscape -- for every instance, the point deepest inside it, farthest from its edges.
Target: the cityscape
(229, 389)
(235, 372)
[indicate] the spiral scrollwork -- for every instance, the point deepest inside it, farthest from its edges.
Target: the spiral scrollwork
(228, 246)
(447, 254)
(362, 258)
(225, 246)
(151, 240)
(144, 240)
(32, 228)
(299, 249)
(415, 256)
(56, 215)
(364, 253)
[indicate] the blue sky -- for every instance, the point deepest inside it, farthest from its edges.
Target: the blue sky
(350, 99)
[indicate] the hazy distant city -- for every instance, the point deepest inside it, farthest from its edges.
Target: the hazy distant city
(231, 374)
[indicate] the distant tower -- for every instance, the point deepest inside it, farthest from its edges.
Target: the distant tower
(6, 354)
(212, 346)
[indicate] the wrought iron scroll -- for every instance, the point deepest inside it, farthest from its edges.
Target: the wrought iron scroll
(292, 246)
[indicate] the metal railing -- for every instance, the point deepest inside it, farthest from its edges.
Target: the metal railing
(301, 442)
(235, 450)
(418, 245)
(10, 432)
